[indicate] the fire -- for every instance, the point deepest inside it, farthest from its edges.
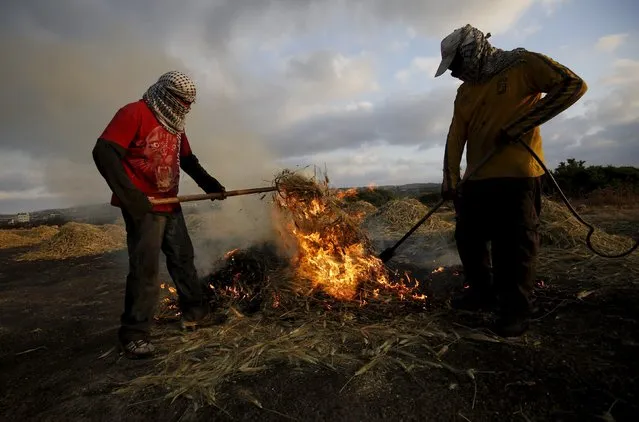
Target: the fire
(170, 303)
(171, 290)
(336, 269)
(346, 193)
(372, 186)
(332, 254)
(438, 270)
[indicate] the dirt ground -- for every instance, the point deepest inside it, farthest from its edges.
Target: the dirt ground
(578, 363)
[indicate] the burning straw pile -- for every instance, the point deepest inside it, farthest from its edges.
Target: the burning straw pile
(331, 252)
(75, 240)
(324, 299)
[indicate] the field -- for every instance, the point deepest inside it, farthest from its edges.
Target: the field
(321, 359)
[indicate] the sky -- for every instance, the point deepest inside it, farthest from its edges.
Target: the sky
(347, 85)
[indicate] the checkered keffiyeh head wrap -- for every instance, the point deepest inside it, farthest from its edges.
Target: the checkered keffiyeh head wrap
(480, 61)
(166, 99)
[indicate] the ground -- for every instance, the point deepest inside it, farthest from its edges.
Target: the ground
(58, 320)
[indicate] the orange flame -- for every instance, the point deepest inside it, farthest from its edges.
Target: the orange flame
(346, 193)
(333, 259)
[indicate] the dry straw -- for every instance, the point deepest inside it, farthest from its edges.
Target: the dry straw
(402, 214)
(302, 328)
(17, 238)
(75, 240)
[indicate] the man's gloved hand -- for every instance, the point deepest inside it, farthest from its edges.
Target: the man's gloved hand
(140, 207)
(216, 187)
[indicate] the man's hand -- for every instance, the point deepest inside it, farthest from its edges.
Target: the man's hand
(139, 208)
(216, 187)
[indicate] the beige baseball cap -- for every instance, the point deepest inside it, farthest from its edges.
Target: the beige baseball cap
(449, 46)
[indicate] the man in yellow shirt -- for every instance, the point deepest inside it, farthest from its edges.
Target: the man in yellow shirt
(497, 209)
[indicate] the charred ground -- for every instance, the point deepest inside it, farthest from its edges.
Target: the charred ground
(59, 318)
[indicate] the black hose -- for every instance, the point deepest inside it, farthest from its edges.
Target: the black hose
(591, 229)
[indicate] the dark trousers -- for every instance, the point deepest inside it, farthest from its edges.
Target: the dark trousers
(497, 237)
(146, 238)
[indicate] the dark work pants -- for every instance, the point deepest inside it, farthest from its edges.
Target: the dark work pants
(146, 238)
(497, 237)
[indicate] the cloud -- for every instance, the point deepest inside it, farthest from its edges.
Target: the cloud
(423, 66)
(379, 164)
(525, 32)
(344, 76)
(551, 6)
(277, 80)
(610, 43)
(606, 133)
(419, 119)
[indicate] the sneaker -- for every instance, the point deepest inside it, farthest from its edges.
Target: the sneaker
(510, 326)
(473, 301)
(138, 349)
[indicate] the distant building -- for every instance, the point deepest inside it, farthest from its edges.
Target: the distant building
(23, 217)
(53, 215)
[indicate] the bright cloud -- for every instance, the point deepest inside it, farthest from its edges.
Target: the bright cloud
(610, 43)
(423, 66)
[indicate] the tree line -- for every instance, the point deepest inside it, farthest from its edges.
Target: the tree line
(598, 185)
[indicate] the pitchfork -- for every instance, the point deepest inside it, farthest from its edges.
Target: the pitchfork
(388, 253)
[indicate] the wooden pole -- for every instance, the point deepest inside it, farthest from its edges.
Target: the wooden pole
(205, 196)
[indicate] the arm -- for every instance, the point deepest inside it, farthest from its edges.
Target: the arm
(108, 152)
(107, 157)
(191, 166)
(455, 142)
(562, 88)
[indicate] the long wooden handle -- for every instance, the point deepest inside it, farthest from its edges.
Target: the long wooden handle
(204, 196)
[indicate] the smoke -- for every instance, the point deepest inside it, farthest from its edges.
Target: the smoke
(239, 159)
(58, 114)
(425, 250)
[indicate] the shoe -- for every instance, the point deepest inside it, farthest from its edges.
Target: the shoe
(138, 349)
(511, 326)
(474, 301)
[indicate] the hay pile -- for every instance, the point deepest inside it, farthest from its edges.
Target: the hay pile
(17, 238)
(359, 210)
(75, 240)
(560, 229)
(397, 217)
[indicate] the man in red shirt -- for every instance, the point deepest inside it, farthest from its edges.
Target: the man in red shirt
(140, 154)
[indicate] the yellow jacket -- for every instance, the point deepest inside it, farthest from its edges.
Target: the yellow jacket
(512, 101)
